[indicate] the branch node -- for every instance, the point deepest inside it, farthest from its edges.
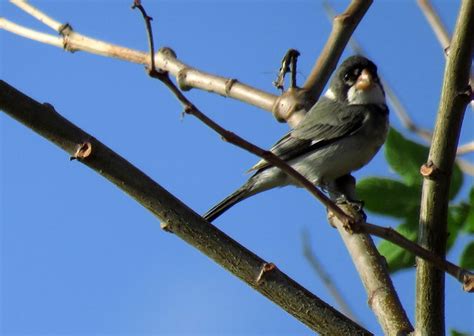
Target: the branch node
(266, 268)
(83, 151)
(65, 29)
(447, 50)
(166, 227)
(181, 79)
(430, 171)
(167, 52)
(228, 85)
(468, 282)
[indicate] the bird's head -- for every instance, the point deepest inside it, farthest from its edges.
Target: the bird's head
(356, 82)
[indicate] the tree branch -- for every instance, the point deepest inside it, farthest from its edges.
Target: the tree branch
(434, 201)
(440, 31)
(177, 217)
(165, 59)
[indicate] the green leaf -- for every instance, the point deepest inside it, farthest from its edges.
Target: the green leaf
(458, 333)
(405, 157)
(467, 257)
(388, 197)
(398, 258)
(469, 223)
(457, 215)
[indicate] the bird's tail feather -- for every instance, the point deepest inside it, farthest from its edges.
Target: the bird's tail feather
(224, 205)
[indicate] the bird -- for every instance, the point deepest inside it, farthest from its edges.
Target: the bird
(340, 134)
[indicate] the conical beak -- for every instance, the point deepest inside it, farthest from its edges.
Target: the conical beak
(364, 81)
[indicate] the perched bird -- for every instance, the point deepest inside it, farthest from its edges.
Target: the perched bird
(340, 134)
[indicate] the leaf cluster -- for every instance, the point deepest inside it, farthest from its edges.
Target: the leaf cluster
(400, 198)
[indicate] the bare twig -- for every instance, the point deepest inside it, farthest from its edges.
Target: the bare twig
(440, 31)
(39, 15)
(165, 59)
(151, 42)
(324, 276)
(435, 22)
(435, 191)
(389, 234)
(466, 148)
(179, 219)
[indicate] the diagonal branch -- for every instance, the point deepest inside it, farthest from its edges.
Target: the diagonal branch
(455, 96)
(440, 31)
(177, 217)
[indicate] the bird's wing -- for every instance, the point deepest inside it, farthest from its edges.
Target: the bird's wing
(326, 122)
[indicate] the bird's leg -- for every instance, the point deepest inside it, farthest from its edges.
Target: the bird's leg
(342, 191)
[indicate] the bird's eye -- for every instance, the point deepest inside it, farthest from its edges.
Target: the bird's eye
(350, 77)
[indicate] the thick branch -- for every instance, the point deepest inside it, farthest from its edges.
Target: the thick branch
(434, 201)
(178, 218)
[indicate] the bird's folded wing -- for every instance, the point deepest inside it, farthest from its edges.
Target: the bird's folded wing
(325, 123)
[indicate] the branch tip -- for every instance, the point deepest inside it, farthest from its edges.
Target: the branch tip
(266, 268)
(468, 282)
(83, 151)
(165, 226)
(429, 170)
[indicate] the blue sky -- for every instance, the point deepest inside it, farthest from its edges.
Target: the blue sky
(79, 257)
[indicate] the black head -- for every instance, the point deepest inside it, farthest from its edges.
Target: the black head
(356, 82)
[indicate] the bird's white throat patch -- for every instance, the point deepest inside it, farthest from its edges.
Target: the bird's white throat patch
(373, 95)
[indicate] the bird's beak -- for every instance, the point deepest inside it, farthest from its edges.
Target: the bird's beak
(364, 81)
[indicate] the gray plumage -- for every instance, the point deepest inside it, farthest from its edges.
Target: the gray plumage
(340, 134)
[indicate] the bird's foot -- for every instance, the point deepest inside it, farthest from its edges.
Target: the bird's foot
(357, 205)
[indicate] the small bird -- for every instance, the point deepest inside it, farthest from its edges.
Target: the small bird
(340, 134)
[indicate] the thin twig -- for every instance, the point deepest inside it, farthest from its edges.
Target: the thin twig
(324, 276)
(39, 15)
(389, 234)
(151, 42)
(466, 148)
(440, 31)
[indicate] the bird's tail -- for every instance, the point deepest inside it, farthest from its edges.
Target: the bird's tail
(224, 205)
